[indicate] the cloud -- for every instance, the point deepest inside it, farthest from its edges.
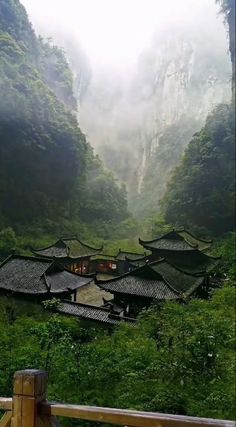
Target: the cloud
(114, 31)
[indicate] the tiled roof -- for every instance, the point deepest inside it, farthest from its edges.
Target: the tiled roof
(192, 262)
(78, 248)
(195, 262)
(202, 244)
(176, 240)
(67, 248)
(180, 281)
(63, 280)
(90, 312)
(25, 275)
(103, 257)
(142, 282)
(139, 261)
(30, 275)
(168, 242)
(122, 255)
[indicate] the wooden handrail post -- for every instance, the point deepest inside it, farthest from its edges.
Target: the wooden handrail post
(29, 390)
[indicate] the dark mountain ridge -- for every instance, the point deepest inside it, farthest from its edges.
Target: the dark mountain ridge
(47, 169)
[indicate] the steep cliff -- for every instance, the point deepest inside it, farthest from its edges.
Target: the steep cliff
(142, 119)
(184, 77)
(201, 191)
(228, 9)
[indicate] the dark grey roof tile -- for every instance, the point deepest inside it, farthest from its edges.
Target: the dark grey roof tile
(30, 275)
(90, 312)
(142, 282)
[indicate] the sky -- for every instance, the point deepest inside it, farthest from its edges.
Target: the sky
(114, 32)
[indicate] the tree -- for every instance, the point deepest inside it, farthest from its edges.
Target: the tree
(228, 9)
(201, 191)
(7, 241)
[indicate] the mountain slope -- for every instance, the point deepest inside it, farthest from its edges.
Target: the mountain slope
(201, 192)
(45, 161)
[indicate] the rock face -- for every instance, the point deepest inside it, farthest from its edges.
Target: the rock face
(141, 124)
(186, 81)
(183, 78)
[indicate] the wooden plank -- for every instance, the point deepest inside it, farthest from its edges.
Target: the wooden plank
(29, 390)
(6, 403)
(6, 419)
(129, 418)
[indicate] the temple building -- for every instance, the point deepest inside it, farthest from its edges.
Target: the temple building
(103, 264)
(71, 252)
(181, 249)
(155, 282)
(39, 279)
(175, 241)
(113, 265)
(123, 266)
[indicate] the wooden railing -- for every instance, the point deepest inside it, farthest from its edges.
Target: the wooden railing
(29, 408)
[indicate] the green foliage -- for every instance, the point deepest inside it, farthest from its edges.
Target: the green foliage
(14, 21)
(49, 176)
(228, 9)
(102, 198)
(52, 303)
(56, 72)
(129, 245)
(178, 359)
(201, 191)
(155, 226)
(33, 338)
(226, 248)
(161, 164)
(7, 241)
(39, 138)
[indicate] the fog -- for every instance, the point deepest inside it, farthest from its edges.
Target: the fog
(141, 66)
(115, 32)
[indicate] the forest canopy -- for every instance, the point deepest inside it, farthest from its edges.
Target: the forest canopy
(46, 166)
(201, 191)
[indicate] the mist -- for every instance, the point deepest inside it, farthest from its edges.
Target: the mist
(141, 67)
(115, 32)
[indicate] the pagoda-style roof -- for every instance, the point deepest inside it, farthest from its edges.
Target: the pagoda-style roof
(142, 282)
(158, 280)
(104, 257)
(184, 283)
(195, 262)
(122, 255)
(176, 241)
(91, 312)
(69, 248)
(202, 244)
(34, 276)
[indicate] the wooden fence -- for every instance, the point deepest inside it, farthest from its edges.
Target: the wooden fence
(29, 408)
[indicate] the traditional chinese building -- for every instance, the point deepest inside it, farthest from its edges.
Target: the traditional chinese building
(181, 249)
(121, 258)
(71, 252)
(39, 279)
(113, 265)
(159, 281)
(103, 264)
